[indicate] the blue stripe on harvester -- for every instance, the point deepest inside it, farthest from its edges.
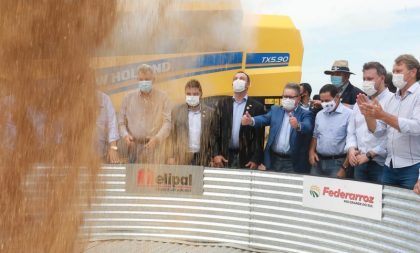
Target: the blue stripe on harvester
(134, 86)
(119, 74)
(267, 66)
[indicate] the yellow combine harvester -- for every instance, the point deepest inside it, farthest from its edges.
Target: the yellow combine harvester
(204, 40)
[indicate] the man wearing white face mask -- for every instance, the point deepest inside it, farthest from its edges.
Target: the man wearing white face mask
(238, 146)
(340, 77)
(145, 119)
(399, 119)
(366, 152)
(326, 152)
(290, 133)
(191, 139)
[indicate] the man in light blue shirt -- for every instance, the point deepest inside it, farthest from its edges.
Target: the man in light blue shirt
(237, 146)
(326, 153)
(399, 120)
(238, 110)
(367, 152)
(290, 132)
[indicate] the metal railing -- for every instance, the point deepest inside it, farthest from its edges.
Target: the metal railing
(258, 210)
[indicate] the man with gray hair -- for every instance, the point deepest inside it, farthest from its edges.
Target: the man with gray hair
(366, 152)
(399, 120)
(290, 133)
(145, 119)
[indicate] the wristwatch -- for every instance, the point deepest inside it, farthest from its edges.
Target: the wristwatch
(369, 156)
(113, 147)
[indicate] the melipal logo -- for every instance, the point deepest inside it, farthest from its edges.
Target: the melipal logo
(145, 177)
(314, 191)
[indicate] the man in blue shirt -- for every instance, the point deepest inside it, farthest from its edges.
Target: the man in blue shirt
(326, 153)
(237, 146)
(290, 127)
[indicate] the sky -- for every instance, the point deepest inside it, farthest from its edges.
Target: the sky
(353, 30)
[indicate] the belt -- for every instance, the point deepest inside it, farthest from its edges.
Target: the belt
(141, 140)
(281, 155)
(331, 157)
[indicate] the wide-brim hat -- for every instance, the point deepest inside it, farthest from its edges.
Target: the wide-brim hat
(339, 66)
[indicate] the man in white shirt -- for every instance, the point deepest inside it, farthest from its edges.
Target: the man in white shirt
(366, 152)
(191, 139)
(399, 120)
(107, 130)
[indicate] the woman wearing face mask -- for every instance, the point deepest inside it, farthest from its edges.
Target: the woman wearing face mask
(326, 153)
(399, 120)
(191, 141)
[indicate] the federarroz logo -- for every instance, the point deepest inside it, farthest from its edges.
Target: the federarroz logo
(315, 191)
(349, 197)
(165, 181)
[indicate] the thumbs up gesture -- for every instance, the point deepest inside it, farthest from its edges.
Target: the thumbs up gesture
(293, 121)
(246, 119)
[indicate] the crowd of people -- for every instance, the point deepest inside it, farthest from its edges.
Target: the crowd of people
(370, 134)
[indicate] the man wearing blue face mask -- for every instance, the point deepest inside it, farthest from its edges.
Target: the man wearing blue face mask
(290, 133)
(326, 153)
(145, 119)
(340, 77)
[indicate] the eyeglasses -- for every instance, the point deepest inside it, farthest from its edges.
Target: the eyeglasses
(290, 97)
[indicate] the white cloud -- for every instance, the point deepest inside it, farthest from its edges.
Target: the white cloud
(359, 31)
(343, 16)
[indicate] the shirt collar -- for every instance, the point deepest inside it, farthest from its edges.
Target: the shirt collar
(383, 94)
(243, 100)
(194, 112)
(412, 89)
(340, 108)
(151, 93)
(305, 106)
